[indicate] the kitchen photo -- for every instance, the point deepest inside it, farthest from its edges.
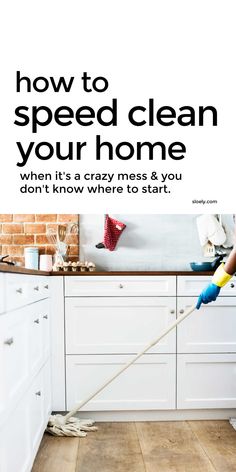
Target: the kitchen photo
(117, 342)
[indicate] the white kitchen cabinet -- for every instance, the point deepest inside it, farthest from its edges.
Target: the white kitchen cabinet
(2, 293)
(210, 329)
(192, 285)
(118, 325)
(206, 381)
(148, 384)
(120, 286)
(25, 370)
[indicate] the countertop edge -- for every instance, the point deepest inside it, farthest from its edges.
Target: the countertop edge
(22, 270)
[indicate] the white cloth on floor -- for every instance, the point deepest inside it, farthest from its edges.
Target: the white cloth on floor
(209, 229)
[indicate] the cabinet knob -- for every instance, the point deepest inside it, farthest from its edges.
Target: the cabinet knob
(45, 317)
(9, 341)
(19, 290)
(36, 321)
(181, 311)
(38, 393)
(121, 285)
(46, 287)
(36, 288)
(232, 285)
(172, 312)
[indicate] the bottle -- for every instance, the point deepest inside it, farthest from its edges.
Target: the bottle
(31, 258)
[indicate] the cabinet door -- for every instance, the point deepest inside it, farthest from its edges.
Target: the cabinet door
(106, 325)
(47, 390)
(192, 285)
(149, 384)
(2, 294)
(39, 333)
(120, 286)
(45, 316)
(36, 399)
(206, 381)
(210, 329)
(14, 357)
(15, 446)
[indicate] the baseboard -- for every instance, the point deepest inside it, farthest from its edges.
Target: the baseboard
(161, 415)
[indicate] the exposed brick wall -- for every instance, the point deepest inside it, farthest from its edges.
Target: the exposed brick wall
(20, 231)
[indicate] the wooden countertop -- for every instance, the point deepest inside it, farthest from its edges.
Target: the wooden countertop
(22, 270)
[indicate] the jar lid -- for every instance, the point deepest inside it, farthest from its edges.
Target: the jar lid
(31, 249)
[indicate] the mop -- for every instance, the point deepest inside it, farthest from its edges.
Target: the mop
(69, 425)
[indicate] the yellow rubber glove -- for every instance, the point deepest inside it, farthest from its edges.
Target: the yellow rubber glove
(220, 277)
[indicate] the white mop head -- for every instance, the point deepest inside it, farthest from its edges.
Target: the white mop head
(233, 422)
(57, 426)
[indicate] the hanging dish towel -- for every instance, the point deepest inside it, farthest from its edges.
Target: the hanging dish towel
(209, 229)
(112, 231)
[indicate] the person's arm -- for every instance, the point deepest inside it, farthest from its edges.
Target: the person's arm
(230, 265)
(220, 278)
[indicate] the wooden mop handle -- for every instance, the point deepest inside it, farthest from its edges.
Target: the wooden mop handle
(132, 361)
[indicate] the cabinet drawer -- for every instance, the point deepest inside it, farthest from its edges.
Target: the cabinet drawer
(39, 287)
(147, 385)
(116, 286)
(25, 289)
(206, 381)
(18, 291)
(192, 285)
(2, 293)
(211, 329)
(113, 325)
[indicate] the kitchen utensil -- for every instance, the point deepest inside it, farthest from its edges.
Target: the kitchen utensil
(2, 260)
(61, 232)
(207, 266)
(68, 425)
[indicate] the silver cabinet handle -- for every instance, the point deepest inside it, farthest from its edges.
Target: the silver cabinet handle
(45, 317)
(232, 285)
(121, 286)
(36, 321)
(38, 393)
(19, 290)
(46, 286)
(9, 341)
(36, 288)
(181, 311)
(172, 312)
